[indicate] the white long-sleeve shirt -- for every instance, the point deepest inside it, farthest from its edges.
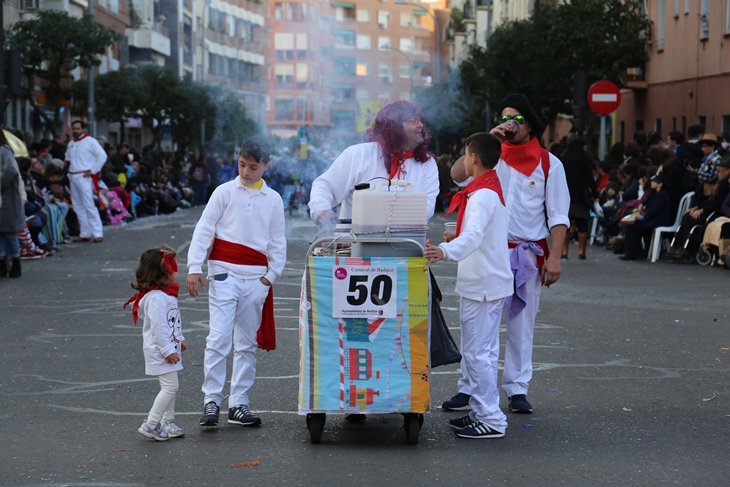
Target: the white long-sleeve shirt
(245, 216)
(161, 332)
(85, 154)
(481, 249)
(363, 163)
(528, 198)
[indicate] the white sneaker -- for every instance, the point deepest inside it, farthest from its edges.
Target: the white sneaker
(155, 433)
(172, 429)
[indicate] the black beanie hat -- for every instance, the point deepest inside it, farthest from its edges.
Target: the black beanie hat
(519, 102)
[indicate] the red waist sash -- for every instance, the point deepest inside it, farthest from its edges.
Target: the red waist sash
(540, 258)
(239, 254)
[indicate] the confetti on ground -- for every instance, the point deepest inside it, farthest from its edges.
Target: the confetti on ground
(725, 349)
(197, 336)
(245, 464)
(116, 449)
(627, 409)
(46, 323)
(645, 434)
(708, 399)
(527, 425)
(83, 477)
(716, 319)
(571, 407)
(618, 354)
(197, 365)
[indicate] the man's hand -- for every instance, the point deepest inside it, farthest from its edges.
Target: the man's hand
(88, 173)
(173, 358)
(183, 345)
(192, 284)
(696, 213)
(551, 269)
(449, 236)
(327, 216)
(433, 254)
(499, 131)
(689, 210)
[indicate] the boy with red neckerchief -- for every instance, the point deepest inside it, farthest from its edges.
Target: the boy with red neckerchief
(244, 224)
(484, 280)
(537, 199)
(156, 303)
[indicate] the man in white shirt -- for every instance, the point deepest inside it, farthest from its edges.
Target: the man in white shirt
(396, 147)
(537, 199)
(86, 157)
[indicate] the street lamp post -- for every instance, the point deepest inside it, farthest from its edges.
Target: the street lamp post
(438, 34)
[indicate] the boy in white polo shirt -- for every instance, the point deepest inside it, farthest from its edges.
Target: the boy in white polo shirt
(244, 223)
(484, 279)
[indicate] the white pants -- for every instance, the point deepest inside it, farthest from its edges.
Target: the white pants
(480, 362)
(82, 195)
(518, 350)
(235, 317)
(163, 409)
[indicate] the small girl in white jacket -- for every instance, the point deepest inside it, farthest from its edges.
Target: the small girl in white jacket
(156, 304)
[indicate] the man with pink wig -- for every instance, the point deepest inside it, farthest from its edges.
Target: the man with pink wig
(396, 147)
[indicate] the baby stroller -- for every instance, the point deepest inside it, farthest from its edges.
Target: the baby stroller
(694, 238)
(708, 255)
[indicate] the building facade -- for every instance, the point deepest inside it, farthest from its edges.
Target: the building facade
(687, 78)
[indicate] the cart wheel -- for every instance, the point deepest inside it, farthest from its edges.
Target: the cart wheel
(412, 423)
(704, 256)
(315, 424)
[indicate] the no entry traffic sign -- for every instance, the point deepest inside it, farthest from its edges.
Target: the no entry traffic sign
(604, 97)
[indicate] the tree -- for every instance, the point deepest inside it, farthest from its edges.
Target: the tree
(155, 101)
(114, 94)
(231, 124)
(537, 56)
(53, 44)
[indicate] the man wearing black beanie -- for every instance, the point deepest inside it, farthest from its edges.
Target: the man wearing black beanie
(537, 199)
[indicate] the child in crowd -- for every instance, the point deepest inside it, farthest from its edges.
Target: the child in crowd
(244, 223)
(163, 341)
(484, 279)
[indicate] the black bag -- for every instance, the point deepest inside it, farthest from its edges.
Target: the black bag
(443, 348)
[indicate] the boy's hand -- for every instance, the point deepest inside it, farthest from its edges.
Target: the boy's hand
(183, 345)
(449, 236)
(173, 358)
(265, 282)
(433, 254)
(192, 284)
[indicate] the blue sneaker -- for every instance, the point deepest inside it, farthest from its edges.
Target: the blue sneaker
(459, 402)
(518, 404)
(462, 422)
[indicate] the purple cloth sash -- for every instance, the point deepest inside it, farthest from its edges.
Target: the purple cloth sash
(523, 270)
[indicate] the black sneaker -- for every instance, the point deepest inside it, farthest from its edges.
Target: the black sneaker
(478, 430)
(242, 415)
(518, 404)
(461, 422)
(210, 415)
(459, 402)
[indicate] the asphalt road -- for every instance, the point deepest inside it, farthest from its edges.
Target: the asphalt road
(627, 356)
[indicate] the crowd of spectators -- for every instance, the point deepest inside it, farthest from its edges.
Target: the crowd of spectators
(638, 187)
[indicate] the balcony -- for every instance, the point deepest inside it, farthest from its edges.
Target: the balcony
(635, 79)
(154, 37)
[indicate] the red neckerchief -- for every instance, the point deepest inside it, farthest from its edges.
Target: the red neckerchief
(240, 254)
(523, 157)
(171, 289)
(488, 180)
(396, 163)
(83, 136)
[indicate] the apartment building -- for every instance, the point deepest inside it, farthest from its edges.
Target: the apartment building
(383, 52)
(300, 67)
(687, 78)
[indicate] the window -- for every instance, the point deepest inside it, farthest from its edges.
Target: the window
(383, 70)
(727, 18)
(284, 46)
(361, 69)
(405, 19)
(384, 96)
(660, 26)
(702, 121)
(676, 8)
(405, 70)
(345, 14)
(363, 95)
(301, 108)
(278, 10)
(383, 43)
(686, 7)
(705, 20)
(283, 107)
(284, 76)
(621, 130)
(344, 92)
(305, 13)
(658, 126)
(674, 124)
(406, 45)
(288, 11)
(363, 15)
(294, 11)
(114, 6)
(231, 25)
(302, 75)
(383, 19)
(639, 125)
(345, 39)
(725, 125)
(301, 46)
(363, 42)
(344, 65)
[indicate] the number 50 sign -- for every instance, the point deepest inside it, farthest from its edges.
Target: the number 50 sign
(364, 291)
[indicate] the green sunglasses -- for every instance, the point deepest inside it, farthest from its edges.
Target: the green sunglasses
(517, 118)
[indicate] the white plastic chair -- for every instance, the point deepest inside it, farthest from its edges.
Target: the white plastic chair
(656, 237)
(594, 227)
